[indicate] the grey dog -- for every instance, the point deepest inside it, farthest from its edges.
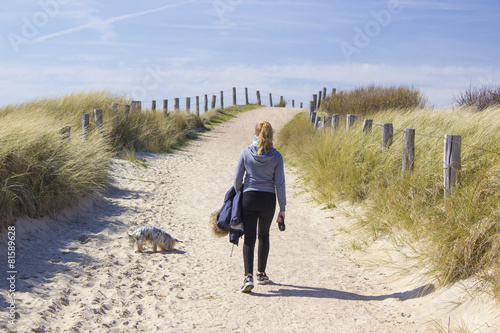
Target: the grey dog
(157, 237)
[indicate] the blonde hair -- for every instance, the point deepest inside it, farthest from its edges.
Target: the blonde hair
(264, 131)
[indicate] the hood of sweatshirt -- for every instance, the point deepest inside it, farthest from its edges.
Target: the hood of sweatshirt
(261, 159)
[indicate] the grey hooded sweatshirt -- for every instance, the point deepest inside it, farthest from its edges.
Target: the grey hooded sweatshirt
(263, 173)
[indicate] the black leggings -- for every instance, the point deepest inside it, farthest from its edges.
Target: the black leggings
(257, 210)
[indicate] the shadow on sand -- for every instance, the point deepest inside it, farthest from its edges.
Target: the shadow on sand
(287, 290)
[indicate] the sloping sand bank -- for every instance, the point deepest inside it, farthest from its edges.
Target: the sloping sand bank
(80, 274)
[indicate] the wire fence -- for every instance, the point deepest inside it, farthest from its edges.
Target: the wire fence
(447, 164)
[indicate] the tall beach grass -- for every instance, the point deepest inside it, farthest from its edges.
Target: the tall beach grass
(459, 236)
(371, 99)
(42, 173)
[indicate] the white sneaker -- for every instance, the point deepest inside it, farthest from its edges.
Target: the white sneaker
(262, 278)
(247, 284)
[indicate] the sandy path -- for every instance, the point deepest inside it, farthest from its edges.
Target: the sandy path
(81, 274)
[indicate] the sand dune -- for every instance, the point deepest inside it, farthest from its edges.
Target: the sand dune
(80, 274)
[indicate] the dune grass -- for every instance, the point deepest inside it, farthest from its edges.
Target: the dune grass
(458, 236)
(371, 99)
(42, 173)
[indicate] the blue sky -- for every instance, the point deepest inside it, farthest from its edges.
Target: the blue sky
(155, 50)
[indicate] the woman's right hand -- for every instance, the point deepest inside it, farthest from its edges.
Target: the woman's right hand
(281, 217)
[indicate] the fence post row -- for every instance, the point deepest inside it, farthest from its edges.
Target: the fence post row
(408, 149)
(452, 162)
(452, 143)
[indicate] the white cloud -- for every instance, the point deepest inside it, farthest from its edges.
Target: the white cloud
(440, 84)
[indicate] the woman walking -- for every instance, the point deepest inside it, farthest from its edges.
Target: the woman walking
(262, 166)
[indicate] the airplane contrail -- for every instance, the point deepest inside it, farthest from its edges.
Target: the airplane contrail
(108, 21)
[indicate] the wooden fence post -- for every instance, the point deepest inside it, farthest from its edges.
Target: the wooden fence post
(319, 98)
(85, 126)
(176, 104)
(316, 121)
(127, 111)
(246, 96)
(334, 91)
(258, 98)
(153, 105)
(351, 119)
(408, 149)
(165, 107)
(367, 125)
(335, 122)
(98, 120)
(221, 99)
(270, 99)
(206, 103)
(234, 96)
(188, 104)
(214, 99)
(301, 105)
(452, 162)
(387, 134)
(65, 132)
(114, 112)
(312, 108)
(323, 123)
(293, 103)
(324, 93)
(198, 106)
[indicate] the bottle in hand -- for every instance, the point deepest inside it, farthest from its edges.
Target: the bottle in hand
(281, 224)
